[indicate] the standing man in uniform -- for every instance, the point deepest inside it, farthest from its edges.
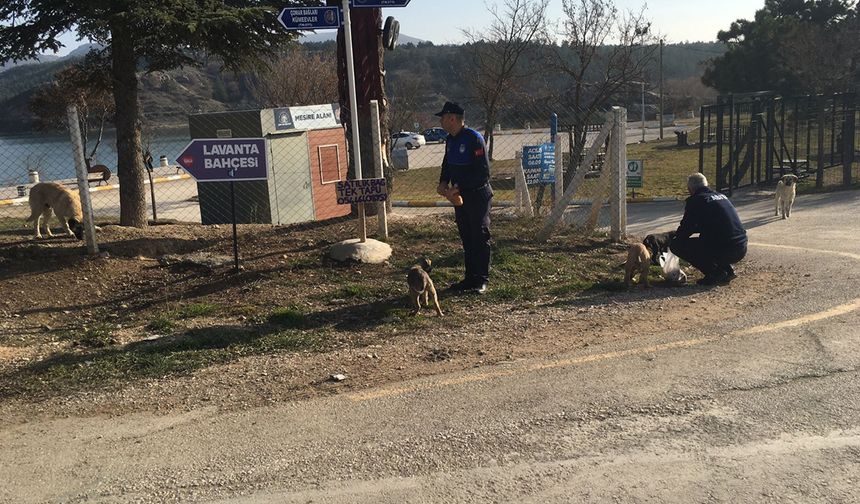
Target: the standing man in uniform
(722, 238)
(466, 167)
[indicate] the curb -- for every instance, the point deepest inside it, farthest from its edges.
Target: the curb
(168, 178)
(445, 203)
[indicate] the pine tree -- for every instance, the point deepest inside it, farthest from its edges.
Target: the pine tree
(143, 34)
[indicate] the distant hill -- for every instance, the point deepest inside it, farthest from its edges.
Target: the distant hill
(326, 36)
(45, 58)
(431, 73)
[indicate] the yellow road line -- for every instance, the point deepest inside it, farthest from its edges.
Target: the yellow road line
(815, 317)
(688, 343)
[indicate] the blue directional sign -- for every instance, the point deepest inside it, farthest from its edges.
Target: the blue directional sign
(310, 18)
(379, 3)
(225, 159)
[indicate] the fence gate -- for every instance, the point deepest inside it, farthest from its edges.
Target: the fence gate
(754, 139)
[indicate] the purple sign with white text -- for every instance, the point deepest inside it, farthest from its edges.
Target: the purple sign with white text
(225, 159)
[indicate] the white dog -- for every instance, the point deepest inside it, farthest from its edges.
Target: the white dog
(66, 204)
(786, 189)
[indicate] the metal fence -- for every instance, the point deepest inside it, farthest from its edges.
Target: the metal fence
(306, 150)
(754, 139)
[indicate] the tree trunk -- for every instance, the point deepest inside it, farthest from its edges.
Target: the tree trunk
(369, 84)
(579, 132)
(129, 170)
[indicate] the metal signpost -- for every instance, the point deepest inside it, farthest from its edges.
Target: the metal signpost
(315, 13)
(226, 160)
(635, 173)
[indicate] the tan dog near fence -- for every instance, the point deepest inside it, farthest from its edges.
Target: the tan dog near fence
(420, 284)
(46, 197)
(786, 190)
(638, 261)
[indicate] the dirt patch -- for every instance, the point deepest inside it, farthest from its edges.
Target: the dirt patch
(126, 332)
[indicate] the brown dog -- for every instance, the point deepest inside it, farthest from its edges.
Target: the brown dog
(638, 261)
(48, 196)
(419, 282)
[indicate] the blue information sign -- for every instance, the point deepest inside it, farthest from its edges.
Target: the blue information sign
(539, 163)
(532, 159)
(310, 18)
(379, 3)
(225, 159)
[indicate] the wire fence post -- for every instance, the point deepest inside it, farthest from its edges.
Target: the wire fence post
(381, 216)
(618, 196)
(83, 183)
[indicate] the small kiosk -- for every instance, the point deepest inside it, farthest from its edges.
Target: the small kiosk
(307, 152)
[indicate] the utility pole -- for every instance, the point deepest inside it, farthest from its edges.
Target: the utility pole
(643, 111)
(661, 89)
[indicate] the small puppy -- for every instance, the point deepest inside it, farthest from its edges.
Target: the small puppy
(48, 196)
(786, 189)
(658, 244)
(638, 261)
(419, 282)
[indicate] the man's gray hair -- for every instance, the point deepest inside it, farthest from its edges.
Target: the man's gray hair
(696, 181)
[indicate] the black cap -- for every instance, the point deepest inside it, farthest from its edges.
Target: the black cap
(451, 108)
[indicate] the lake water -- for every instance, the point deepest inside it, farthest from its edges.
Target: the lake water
(52, 155)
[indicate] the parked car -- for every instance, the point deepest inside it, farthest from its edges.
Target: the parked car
(435, 135)
(407, 140)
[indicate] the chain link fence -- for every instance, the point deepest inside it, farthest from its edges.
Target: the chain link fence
(307, 153)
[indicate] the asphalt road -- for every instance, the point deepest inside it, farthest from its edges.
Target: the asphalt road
(764, 407)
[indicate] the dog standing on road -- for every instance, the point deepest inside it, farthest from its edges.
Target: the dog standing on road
(786, 189)
(46, 197)
(638, 261)
(420, 283)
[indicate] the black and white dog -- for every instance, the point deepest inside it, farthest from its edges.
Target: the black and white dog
(658, 244)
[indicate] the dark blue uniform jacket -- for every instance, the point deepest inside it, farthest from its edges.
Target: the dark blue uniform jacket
(713, 216)
(466, 162)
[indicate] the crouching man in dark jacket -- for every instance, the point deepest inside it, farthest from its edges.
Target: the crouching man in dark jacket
(722, 239)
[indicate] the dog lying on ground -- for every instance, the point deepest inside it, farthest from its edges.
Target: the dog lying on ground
(638, 261)
(46, 197)
(658, 244)
(786, 189)
(420, 283)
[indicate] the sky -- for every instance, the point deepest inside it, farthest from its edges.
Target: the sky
(442, 21)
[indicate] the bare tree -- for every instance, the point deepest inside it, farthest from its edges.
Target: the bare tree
(497, 52)
(602, 51)
(297, 77)
(406, 97)
(687, 94)
(87, 85)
